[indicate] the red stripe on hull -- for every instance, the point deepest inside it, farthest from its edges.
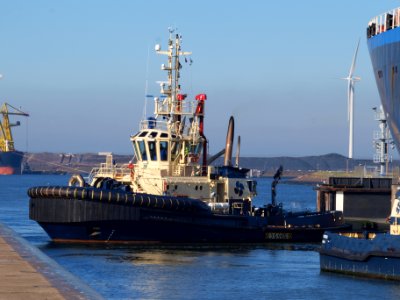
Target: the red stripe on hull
(7, 171)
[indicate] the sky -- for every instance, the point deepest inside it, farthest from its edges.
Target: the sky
(80, 69)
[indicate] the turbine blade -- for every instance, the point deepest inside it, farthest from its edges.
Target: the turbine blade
(353, 64)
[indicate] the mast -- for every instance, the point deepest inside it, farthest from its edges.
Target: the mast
(171, 88)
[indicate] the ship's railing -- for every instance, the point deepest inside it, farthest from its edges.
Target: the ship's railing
(162, 107)
(113, 171)
(219, 207)
(384, 22)
(379, 135)
(188, 171)
(154, 124)
(382, 158)
(380, 116)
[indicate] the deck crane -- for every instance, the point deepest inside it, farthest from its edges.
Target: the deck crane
(6, 139)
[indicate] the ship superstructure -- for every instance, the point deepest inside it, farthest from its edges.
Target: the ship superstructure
(10, 159)
(171, 147)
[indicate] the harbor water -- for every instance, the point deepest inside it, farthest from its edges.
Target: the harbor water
(269, 271)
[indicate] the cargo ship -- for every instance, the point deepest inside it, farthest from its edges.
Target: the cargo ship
(170, 192)
(375, 254)
(10, 159)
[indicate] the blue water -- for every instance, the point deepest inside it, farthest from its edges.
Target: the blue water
(275, 271)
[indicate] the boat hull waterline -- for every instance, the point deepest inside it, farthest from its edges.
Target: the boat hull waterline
(93, 215)
(374, 258)
(10, 162)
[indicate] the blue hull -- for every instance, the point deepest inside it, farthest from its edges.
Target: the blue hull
(384, 50)
(376, 258)
(374, 267)
(10, 162)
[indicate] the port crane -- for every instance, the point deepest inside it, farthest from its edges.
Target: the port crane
(6, 139)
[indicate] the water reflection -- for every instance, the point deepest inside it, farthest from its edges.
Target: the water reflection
(189, 271)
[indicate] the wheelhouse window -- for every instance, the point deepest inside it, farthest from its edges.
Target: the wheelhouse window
(142, 150)
(163, 150)
(143, 134)
(136, 150)
(152, 150)
(153, 134)
(175, 148)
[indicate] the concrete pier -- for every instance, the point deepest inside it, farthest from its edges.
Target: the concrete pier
(26, 273)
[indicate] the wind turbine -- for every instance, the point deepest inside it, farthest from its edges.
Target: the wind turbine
(350, 100)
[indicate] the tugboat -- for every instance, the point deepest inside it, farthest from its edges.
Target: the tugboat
(170, 192)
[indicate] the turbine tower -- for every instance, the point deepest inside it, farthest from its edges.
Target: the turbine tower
(350, 100)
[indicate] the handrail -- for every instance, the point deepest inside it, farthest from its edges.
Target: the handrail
(110, 171)
(154, 124)
(383, 22)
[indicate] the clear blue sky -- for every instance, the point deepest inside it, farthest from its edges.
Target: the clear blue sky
(79, 69)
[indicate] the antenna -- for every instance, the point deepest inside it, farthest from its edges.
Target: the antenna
(350, 100)
(146, 87)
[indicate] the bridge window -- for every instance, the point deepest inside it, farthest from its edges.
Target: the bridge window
(142, 150)
(136, 150)
(175, 148)
(152, 150)
(163, 150)
(153, 134)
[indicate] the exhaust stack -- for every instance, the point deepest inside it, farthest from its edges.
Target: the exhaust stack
(237, 153)
(229, 143)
